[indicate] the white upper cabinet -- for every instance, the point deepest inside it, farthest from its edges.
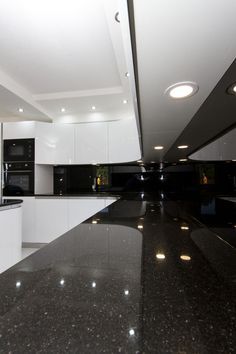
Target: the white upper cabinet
(87, 143)
(91, 143)
(64, 142)
(123, 141)
(19, 130)
(44, 143)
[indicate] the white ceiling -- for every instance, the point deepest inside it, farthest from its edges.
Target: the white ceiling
(63, 53)
(73, 54)
(184, 40)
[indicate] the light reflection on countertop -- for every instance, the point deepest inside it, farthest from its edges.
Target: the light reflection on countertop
(115, 288)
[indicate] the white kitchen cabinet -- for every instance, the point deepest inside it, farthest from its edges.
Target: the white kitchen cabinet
(91, 143)
(123, 141)
(83, 208)
(28, 217)
(86, 143)
(44, 143)
(64, 152)
(19, 130)
(11, 237)
(46, 218)
(51, 219)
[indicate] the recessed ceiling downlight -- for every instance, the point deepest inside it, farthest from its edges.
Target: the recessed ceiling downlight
(232, 89)
(182, 146)
(182, 90)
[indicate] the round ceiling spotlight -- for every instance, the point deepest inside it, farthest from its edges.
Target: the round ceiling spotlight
(21, 110)
(182, 146)
(232, 89)
(159, 147)
(182, 90)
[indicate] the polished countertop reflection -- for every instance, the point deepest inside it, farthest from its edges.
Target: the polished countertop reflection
(140, 276)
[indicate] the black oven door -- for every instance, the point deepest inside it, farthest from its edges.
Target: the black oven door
(18, 181)
(18, 150)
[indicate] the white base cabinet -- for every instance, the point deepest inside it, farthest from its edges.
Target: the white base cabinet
(11, 237)
(46, 218)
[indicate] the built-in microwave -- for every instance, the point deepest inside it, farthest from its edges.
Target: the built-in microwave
(18, 150)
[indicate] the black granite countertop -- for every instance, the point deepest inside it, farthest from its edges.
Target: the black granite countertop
(141, 276)
(80, 195)
(75, 195)
(4, 203)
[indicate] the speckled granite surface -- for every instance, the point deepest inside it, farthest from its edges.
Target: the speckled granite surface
(128, 280)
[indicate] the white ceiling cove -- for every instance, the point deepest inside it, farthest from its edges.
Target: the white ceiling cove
(63, 54)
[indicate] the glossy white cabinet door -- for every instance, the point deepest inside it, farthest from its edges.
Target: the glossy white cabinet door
(28, 217)
(51, 219)
(19, 130)
(45, 143)
(91, 143)
(123, 142)
(11, 238)
(44, 219)
(82, 209)
(64, 143)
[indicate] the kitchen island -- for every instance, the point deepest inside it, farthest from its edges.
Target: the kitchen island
(48, 216)
(123, 283)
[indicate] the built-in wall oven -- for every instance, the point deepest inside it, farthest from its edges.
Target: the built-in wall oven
(18, 167)
(18, 178)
